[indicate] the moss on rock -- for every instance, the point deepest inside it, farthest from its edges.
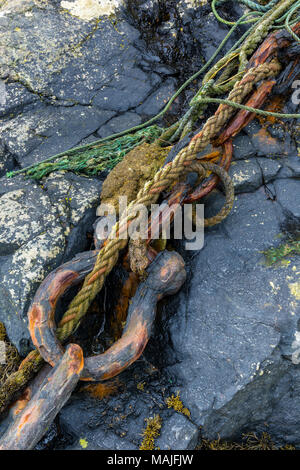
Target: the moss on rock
(130, 175)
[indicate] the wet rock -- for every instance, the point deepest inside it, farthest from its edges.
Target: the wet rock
(290, 166)
(7, 161)
(125, 92)
(119, 124)
(242, 147)
(203, 27)
(237, 320)
(288, 195)
(153, 104)
(178, 433)
(246, 176)
(269, 167)
(286, 413)
(41, 227)
(86, 435)
(271, 141)
(66, 76)
(42, 133)
(117, 421)
(16, 99)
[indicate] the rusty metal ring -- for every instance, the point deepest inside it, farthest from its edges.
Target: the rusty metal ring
(166, 275)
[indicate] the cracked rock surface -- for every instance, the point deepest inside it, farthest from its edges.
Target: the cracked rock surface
(228, 341)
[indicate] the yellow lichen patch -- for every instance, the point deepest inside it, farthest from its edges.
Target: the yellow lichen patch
(130, 175)
(141, 386)
(83, 443)
(151, 432)
(295, 289)
(195, 3)
(11, 357)
(177, 405)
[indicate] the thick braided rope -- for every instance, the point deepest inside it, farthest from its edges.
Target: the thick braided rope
(108, 256)
(262, 31)
(229, 194)
(138, 247)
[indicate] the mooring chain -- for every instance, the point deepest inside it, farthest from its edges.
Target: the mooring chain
(149, 194)
(108, 256)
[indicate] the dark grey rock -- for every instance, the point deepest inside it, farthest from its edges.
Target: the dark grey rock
(246, 176)
(118, 421)
(178, 433)
(66, 77)
(41, 227)
(273, 141)
(125, 92)
(242, 147)
(232, 322)
(86, 436)
(288, 195)
(158, 99)
(290, 167)
(7, 161)
(285, 417)
(269, 167)
(119, 124)
(37, 135)
(17, 98)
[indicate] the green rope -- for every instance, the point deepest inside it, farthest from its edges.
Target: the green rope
(262, 30)
(230, 23)
(260, 9)
(97, 159)
(208, 86)
(252, 36)
(287, 21)
(248, 108)
(253, 5)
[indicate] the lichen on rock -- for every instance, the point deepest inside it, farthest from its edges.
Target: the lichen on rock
(91, 9)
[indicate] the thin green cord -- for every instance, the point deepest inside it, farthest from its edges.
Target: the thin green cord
(222, 20)
(187, 120)
(250, 30)
(287, 20)
(253, 5)
(248, 108)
